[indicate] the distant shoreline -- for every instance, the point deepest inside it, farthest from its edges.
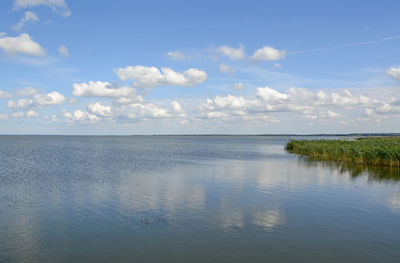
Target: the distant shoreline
(269, 135)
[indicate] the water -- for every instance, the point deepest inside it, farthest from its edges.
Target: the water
(189, 199)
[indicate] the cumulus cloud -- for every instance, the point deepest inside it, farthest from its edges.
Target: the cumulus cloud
(138, 111)
(105, 89)
(268, 53)
(176, 109)
(29, 16)
(227, 102)
(226, 69)
(32, 113)
(5, 95)
(58, 6)
(38, 101)
(28, 114)
(383, 108)
(394, 73)
(143, 111)
(344, 99)
(311, 105)
(27, 92)
(331, 114)
(150, 77)
(176, 55)
(127, 105)
(99, 109)
(214, 115)
(49, 99)
(232, 53)
(22, 44)
(270, 95)
(81, 116)
(22, 103)
(63, 51)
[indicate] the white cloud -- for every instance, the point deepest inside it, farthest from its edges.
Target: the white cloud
(231, 107)
(137, 111)
(176, 55)
(150, 77)
(49, 99)
(143, 111)
(268, 102)
(344, 99)
(176, 109)
(227, 102)
(383, 108)
(104, 89)
(332, 114)
(20, 104)
(27, 91)
(28, 16)
(31, 113)
(238, 86)
(56, 5)
(23, 44)
(271, 95)
(276, 65)
(38, 101)
(268, 53)
(215, 115)
(5, 95)
(394, 73)
(63, 50)
(81, 116)
(226, 69)
(129, 100)
(100, 110)
(232, 53)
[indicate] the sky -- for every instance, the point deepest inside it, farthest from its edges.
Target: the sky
(199, 67)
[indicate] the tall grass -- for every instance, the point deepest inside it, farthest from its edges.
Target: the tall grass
(366, 151)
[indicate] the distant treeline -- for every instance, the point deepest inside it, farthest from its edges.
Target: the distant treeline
(367, 151)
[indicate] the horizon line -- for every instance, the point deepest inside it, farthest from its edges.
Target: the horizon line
(225, 134)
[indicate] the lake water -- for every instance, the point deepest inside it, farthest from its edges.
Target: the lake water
(189, 199)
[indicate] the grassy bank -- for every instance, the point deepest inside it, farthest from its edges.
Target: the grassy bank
(366, 151)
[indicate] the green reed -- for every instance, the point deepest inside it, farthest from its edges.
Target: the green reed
(369, 151)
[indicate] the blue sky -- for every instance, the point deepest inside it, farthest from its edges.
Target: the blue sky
(161, 67)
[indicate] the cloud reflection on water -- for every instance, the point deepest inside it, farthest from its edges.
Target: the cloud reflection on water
(211, 198)
(394, 201)
(268, 219)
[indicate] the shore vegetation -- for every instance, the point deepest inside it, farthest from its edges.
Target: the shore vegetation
(382, 151)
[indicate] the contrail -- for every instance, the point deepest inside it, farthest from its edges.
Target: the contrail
(344, 45)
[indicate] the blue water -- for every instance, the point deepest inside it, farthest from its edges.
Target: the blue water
(189, 199)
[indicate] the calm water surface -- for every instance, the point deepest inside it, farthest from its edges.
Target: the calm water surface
(189, 199)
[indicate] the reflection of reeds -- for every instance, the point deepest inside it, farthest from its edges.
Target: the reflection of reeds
(365, 151)
(376, 173)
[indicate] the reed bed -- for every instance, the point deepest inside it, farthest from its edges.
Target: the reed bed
(383, 151)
